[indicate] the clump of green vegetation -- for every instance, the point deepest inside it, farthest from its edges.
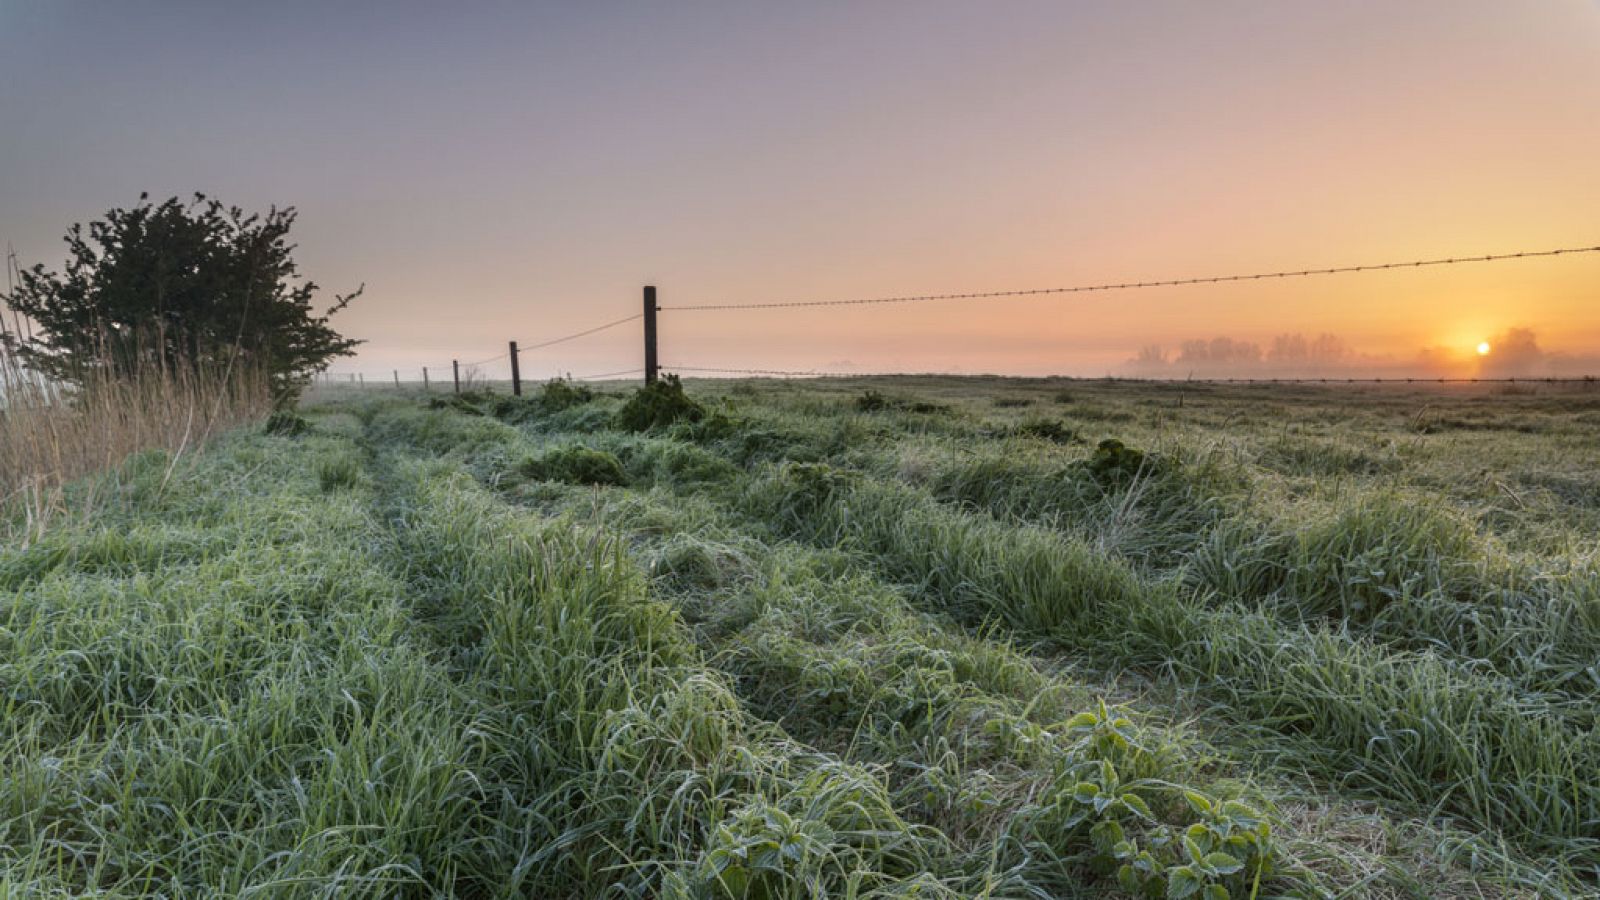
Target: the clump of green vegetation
(575, 465)
(286, 423)
(1047, 429)
(1113, 462)
(471, 402)
(340, 471)
(559, 394)
(658, 405)
(1012, 402)
(511, 408)
(872, 400)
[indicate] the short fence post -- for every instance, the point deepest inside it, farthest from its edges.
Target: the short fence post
(455, 369)
(397, 379)
(650, 365)
(425, 378)
(516, 372)
(362, 376)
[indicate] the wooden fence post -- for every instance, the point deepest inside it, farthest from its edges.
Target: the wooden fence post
(516, 372)
(425, 378)
(362, 376)
(650, 364)
(455, 369)
(397, 379)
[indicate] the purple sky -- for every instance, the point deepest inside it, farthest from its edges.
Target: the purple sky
(499, 170)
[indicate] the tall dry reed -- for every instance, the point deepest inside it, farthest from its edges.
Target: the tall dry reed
(52, 433)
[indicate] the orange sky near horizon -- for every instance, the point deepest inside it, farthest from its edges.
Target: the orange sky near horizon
(507, 170)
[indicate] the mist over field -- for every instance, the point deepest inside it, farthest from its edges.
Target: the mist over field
(1513, 353)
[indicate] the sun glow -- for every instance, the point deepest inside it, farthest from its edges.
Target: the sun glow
(1483, 348)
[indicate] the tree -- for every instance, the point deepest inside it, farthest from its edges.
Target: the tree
(178, 284)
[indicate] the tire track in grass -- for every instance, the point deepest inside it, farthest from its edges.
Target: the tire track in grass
(1366, 715)
(620, 762)
(648, 464)
(840, 657)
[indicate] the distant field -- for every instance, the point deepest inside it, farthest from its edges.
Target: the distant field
(893, 637)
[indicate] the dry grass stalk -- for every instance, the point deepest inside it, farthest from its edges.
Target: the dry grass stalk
(52, 433)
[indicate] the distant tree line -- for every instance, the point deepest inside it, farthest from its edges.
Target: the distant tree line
(1286, 349)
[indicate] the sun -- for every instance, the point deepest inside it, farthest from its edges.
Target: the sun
(1483, 348)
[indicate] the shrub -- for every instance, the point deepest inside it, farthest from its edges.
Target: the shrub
(560, 394)
(872, 401)
(1113, 461)
(575, 465)
(286, 423)
(658, 405)
(1047, 429)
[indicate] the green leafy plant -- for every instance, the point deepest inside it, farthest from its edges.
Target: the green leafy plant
(1047, 429)
(763, 853)
(658, 405)
(559, 394)
(1116, 462)
(575, 465)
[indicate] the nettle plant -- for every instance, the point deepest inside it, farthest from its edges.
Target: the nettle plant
(1202, 847)
(763, 852)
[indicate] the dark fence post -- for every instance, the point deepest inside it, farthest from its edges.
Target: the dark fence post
(425, 378)
(650, 365)
(516, 372)
(455, 369)
(362, 376)
(397, 379)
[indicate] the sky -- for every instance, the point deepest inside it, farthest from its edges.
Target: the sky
(509, 170)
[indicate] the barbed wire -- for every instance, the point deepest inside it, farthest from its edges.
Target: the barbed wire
(607, 375)
(578, 334)
(1133, 285)
(777, 372)
(491, 359)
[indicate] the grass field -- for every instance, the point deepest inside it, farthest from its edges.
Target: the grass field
(909, 637)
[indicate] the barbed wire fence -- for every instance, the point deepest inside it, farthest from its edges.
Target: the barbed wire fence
(651, 367)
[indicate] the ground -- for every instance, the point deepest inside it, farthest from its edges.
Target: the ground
(889, 637)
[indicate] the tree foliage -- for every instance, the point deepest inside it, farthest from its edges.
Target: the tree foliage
(179, 284)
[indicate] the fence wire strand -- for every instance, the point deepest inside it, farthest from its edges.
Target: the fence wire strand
(1134, 285)
(575, 335)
